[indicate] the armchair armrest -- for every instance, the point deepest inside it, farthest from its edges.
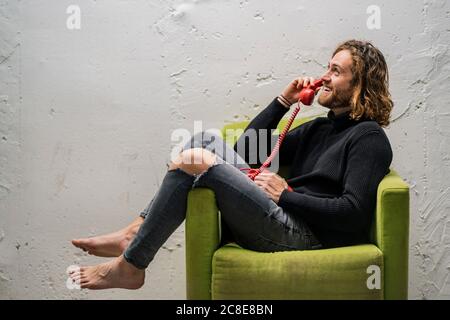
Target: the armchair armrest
(392, 234)
(202, 232)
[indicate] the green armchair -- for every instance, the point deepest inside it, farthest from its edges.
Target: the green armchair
(227, 271)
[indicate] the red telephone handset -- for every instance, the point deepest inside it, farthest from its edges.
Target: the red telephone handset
(307, 94)
(306, 97)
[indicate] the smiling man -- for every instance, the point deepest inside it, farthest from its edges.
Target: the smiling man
(336, 163)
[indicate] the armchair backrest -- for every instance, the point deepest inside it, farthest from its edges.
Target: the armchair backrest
(390, 228)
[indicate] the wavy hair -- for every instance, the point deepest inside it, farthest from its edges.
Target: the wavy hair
(371, 98)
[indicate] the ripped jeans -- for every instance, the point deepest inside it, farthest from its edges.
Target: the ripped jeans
(254, 220)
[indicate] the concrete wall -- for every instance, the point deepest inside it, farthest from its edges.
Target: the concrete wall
(86, 116)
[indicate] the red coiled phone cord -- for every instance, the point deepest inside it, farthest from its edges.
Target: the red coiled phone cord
(252, 173)
(306, 97)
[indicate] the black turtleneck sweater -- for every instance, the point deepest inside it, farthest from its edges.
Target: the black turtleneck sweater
(336, 164)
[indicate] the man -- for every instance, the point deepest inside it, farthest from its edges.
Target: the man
(336, 163)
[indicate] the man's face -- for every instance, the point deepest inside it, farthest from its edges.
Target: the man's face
(337, 89)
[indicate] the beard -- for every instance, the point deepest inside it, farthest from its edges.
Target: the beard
(335, 99)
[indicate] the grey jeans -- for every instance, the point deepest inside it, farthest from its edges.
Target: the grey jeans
(254, 220)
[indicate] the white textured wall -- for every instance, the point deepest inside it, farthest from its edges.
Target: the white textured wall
(86, 117)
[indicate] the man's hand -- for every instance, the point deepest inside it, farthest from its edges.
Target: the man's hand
(292, 91)
(272, 184)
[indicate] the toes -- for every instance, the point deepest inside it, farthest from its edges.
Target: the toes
(87, 285)
(84, 281)
(82, 243)
(79, 272)
(74, 272)
(77, 242)
(72, 269)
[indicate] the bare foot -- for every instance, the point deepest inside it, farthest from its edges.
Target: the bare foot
(112, 244)
(117, 273)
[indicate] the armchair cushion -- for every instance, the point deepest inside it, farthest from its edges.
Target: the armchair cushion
(338, 273)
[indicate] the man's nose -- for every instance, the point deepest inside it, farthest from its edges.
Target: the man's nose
(326, 77)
